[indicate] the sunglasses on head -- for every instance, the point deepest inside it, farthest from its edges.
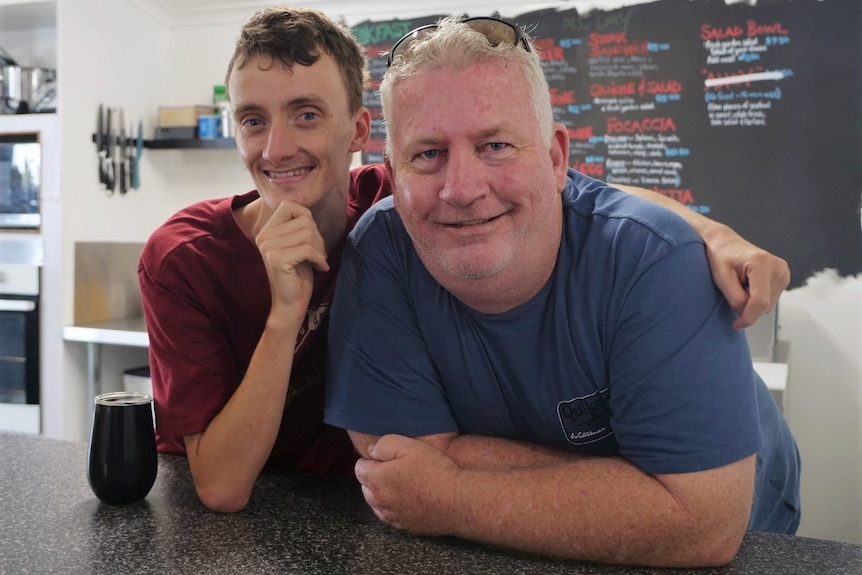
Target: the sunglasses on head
(495, 30)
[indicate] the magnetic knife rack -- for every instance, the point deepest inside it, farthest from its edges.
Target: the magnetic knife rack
(178, 143)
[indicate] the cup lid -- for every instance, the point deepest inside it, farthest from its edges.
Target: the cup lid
(123, 398)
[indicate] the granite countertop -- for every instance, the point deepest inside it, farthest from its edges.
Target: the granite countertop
(50, 522)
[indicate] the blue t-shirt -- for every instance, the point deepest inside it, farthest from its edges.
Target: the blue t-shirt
(627, 351)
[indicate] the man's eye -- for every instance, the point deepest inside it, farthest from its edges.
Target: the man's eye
(427, 155)
(497, 146)
(308, 116)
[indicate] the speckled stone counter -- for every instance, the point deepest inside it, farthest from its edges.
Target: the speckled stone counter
(50, 522)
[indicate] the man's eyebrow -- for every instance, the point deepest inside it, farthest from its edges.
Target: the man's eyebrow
(247, 108)
(426, 142)
(491, 132)
(433, 142)
(306, 100)
(296, 102)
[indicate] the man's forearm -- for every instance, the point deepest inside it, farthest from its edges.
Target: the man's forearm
(701, 224)
(598, 509)
(491, 453)
(227, 457)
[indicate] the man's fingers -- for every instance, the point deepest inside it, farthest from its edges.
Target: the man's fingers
(731, 286)
(291, 237)
(760, 297)
(287, 211)
(388, 447)
(750, 314)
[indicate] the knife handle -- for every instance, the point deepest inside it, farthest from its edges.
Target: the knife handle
(109, 175)
(122, 177)
(134, 177)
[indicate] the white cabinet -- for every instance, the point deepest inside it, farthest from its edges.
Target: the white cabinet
(28, 33)
(112, 52)
(24, 14)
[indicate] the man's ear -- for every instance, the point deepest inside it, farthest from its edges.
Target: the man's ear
(560, 154)
(362, 125)
(390, 175)
(387, 164)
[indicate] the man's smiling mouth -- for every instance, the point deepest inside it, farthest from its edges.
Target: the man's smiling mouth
(472, 222)
(286, 174)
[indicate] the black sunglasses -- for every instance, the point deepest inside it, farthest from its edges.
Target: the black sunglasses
(494, 29)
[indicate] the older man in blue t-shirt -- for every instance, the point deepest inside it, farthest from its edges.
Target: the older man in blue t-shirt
(565, 370)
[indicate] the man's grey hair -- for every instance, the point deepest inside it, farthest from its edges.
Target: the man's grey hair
(455, 46)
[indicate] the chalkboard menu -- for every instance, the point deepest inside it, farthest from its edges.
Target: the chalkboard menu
(747, 114)
(378, 38)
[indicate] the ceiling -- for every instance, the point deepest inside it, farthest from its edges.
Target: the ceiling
(203, 12)
(192, 13)
(200, 12)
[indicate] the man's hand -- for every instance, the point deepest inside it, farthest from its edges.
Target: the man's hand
(409, 484)
(750, 278)
(291, 247)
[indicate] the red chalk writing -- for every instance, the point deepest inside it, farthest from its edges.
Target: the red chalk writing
(616, 125)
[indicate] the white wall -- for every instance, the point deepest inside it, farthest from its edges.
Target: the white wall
(176, 60)
(823, 323)
(116, 54)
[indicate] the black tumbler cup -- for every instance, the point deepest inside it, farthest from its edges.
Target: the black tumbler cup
(122, 461)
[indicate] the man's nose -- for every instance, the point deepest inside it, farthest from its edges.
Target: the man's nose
(463, 181)
(281, 142)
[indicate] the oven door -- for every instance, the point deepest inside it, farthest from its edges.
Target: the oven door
(19, 349)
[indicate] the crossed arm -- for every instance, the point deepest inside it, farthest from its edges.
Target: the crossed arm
(541, 500)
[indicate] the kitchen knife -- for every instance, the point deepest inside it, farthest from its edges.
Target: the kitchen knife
(136, 157)
(110, 175)
(101, 145)
(122, 155)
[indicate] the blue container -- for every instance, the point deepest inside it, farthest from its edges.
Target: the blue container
(208, 127)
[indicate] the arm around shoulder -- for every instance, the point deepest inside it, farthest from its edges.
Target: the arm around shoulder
(751, 279)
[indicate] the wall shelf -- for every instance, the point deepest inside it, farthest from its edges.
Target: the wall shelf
(172, 144)
(189, 143)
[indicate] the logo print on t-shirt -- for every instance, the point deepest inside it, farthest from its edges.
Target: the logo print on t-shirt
(314, 319)
(587, 418)
(309, 360)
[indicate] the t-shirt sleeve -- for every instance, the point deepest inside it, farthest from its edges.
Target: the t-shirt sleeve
(381, 378)
(190, 360)
(683, 395)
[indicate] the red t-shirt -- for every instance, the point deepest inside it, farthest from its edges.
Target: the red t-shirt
(206, 298)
